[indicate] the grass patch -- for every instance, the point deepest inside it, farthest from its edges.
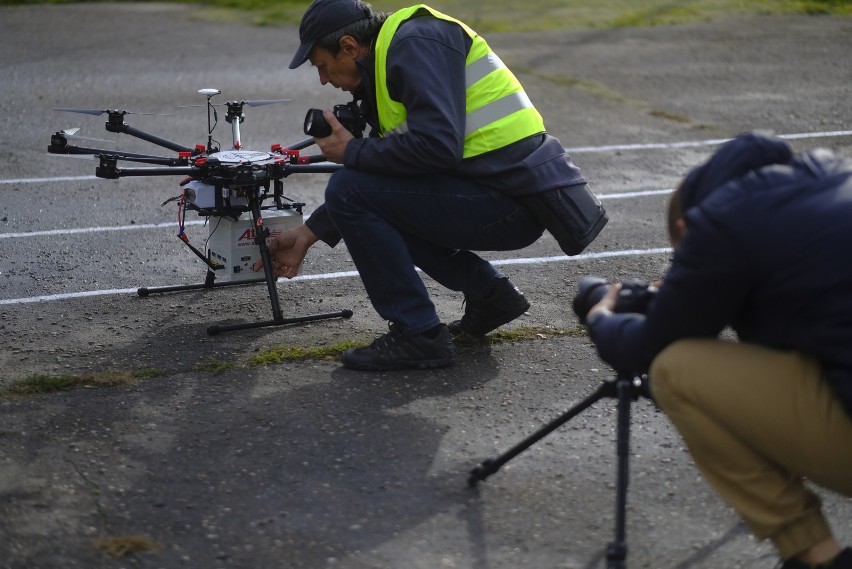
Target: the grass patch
(488, 16)
(38, 384)
(214, 365)
(531, 333)
(287, 353)
(669, 116)
(47, 383)
(593, 88)
(599, 91)
(284, 353)
(121, 546)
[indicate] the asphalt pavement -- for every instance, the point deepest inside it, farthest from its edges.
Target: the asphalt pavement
(219, 461)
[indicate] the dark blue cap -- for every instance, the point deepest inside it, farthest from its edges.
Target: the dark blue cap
(324, 17)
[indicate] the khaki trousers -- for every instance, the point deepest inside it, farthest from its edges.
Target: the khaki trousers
(757, 422)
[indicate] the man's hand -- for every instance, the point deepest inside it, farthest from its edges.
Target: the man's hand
(333, 146)
(288, 250)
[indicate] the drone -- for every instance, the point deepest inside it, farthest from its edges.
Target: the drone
(240, 192)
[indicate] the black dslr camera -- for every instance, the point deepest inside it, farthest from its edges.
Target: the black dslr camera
(349, 116)
(635, 296)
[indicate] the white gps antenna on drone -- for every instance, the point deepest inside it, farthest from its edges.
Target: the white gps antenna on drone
(210, 93)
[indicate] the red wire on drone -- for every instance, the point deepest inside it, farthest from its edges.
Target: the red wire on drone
(182, 218)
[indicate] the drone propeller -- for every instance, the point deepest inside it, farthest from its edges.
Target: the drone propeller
(75, 156)
(97, 112)
(71, 134)
(261, 102)
(254, 103)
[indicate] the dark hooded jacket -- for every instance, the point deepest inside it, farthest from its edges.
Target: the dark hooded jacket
(768, 252)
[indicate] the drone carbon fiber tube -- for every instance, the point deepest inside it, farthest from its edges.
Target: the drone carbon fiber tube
(58, 145)
(135, 132)
(115, 173)
(321, 168)
(301, 144)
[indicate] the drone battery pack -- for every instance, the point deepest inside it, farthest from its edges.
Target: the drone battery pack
(231, 242)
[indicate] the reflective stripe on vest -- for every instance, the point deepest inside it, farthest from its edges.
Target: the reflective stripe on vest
(498, 112)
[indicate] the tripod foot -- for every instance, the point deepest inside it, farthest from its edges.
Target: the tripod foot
(485, 469)
(616, 555)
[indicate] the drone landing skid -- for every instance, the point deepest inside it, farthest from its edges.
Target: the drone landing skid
(214, 330)
(278, 318)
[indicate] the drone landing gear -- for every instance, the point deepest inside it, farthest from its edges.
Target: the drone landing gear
(270, 279)
(277, 320)
(625, 388)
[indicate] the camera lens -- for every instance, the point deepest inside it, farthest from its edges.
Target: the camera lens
(591, 291)
(316, 125)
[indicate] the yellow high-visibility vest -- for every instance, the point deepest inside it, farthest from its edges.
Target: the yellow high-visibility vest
(498, 111)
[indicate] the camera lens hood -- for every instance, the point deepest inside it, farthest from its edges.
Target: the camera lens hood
(316, 125)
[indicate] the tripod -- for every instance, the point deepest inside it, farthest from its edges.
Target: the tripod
(626, 388)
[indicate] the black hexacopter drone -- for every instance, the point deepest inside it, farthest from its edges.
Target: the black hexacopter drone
(220, 184)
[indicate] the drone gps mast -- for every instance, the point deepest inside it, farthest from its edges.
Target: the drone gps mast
(223, 186)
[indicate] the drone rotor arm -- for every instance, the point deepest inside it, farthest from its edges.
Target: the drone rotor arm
(147, 158)
(59, 145)
(109, 170)
(124, 128)
(301, 144)
(321, 168)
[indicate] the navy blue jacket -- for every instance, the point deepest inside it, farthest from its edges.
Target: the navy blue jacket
(425, 72)
(768, 251)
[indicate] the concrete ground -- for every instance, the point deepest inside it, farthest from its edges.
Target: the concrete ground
(219, 463)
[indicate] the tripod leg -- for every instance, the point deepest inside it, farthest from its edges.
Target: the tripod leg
(616, 552)
(490, 466)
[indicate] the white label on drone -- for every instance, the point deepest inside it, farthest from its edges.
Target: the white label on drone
(238, 156)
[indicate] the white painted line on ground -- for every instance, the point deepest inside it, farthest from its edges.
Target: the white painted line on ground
(697, 143)
(47, 180)
(350, 274)
(640, 193)
(78, 230)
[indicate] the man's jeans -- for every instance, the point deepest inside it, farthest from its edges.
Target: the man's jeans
(393, 224)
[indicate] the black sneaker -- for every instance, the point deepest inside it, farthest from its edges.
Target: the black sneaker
(842, 561)
(395, 350)
(504, 304)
